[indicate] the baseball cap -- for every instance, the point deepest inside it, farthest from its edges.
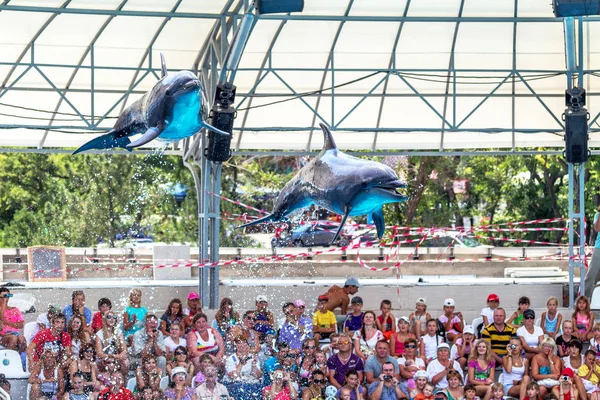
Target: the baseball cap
(440, 394)
(261, 297)
(449, 302)
(356, 300)
(323, 297)
(421, 300)
(529, 312)
(493, 297)
(443, 346)
(404, 318)
(193, 296)
(299, 303)
(567, 372)
(352, 282)
(469, 329)
(331, 391)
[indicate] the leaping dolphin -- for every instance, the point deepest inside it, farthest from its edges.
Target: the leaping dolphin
(172, 110)
(340, 183)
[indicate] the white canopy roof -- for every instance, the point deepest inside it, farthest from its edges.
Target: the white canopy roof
(392, 75)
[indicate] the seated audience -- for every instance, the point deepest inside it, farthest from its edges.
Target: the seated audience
(179, 389)
(47, 377)
(85, 365)
(54, 339)
(104, 305)
(134, 315)
(116, 390)
(316, 388)
(264, 317)
(77, 307)
(386, 322)
(344, 361)
(173, 315)
(12, 323)
(374, 364)
(149, 341)
(211, 389)
(367, 337)
(110, 341)
(180, 359)
(386, 387)
(204, 339)
(324, 321)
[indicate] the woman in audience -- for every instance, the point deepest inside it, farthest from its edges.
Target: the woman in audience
(180, 389)
(399, 337)
(454, 391)
(79, 337)
(85, 365)
(481, 369)
(244, 331)
(226, 317)
(12, 323)
(317, 386)
(515, 370)
(546, 367)
(180, 359)
(307, 362)
(173, 315)
(204, 339)
(409, 365)
(106, 368)
(77, 392)
(367, 337)
(421, 380)
(134, 315)
(281, 388)
(530, 334)
(110, 340)
(148, 375)
(47, 378)
(242, 373)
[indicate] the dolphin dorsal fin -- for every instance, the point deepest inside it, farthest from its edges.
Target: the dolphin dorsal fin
(163, 65)
(328, 142)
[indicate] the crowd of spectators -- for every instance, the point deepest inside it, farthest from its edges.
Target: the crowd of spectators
(309, 354)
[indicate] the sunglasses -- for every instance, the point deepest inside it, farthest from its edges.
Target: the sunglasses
(111, 317)
(319, 380)
(343, 342)
(251, 318)
(410, 346)
(529, 317)
(309, 347)
(180, 353)
(290, 356)
(89, 351)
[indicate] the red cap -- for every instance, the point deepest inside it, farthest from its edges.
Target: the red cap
(493, 297)
(323, 297)
(567, 372)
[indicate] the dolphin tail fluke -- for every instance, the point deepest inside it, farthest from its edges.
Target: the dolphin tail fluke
(107, 141)
(212, 128)
(328, 142)
(268, 218)
(339, 231)
(151, 134)
(379, 222)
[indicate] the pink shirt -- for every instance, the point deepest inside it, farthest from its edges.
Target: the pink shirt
(12, 315)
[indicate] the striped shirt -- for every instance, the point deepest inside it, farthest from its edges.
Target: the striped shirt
(499, 339)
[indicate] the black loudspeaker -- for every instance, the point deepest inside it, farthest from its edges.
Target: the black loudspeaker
(279, 6)
(574, 8)
(576, 136)
(218, 148)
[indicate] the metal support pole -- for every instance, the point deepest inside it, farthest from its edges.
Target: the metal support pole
(203, 224)
(215, 183)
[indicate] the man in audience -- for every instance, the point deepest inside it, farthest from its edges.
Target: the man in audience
(77, 307)
(211, 389)
(44, 319)
(54, 339)
(150, 341)
(276, 361)
(386, 387)
(340, 297)
(304, 322)
(343, 361)
(374, 364)
(499, 334)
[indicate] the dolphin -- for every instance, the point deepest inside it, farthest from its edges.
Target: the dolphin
(340, 183)
(172, 110)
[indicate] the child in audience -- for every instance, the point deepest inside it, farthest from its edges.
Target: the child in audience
(420, 379)
(453, 322)
(595, 341)
(430, 341)
(470, 391)
(493, 302)
(516, 319)
(324, 322)
(551, 318)
(589, 373)
(174, 339)
(353, 320)
(563, 341)
(134, 315)
(498, 391)
(399, 337)
(104, 305)
(427, 393)
(533, 391)
(418, 318)
(264, 317)
(464, 344)
(583, 319)
(386, 322)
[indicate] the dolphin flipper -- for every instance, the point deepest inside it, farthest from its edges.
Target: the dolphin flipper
(344, 218)
(379, 222)
(212, 128)
(107, 141)
(151, 134)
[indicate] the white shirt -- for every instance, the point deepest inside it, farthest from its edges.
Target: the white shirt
(171, 345)
(246, 374)
(204, 393)
(532, 339)
(435, 368)
(489, 313)
(431, 343)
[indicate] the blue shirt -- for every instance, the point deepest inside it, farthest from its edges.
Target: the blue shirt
(87, 314)
(387, 393)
